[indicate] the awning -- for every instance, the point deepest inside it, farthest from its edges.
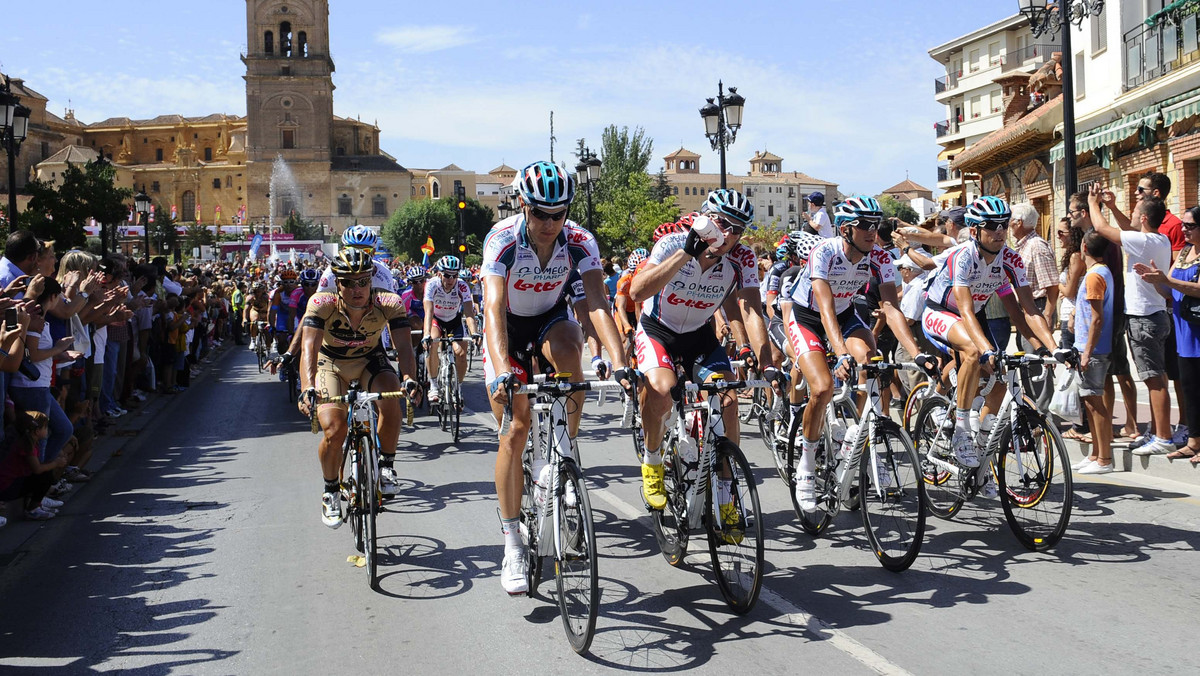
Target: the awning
(1161, 14)
(1181, 107)
(949, 196)
(1113, 132)
(952, 149)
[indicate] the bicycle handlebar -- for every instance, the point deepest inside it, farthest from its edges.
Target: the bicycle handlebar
(723, 385)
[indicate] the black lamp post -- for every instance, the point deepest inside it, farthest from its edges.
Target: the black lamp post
(587, 172)
(15, 125)
(141, 203)
(722, 119)
(1051, 18)
(504, 209)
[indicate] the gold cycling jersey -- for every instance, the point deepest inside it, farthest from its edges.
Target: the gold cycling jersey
(259, 305)
(344, 341)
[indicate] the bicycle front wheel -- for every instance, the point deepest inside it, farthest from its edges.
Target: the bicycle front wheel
(891, 493)
(261, 350)
(1034, 479)
(576, 572)
(670, 524)
(529, 525)
(454, 400)
(368, 503)
(291, 384)
(813, 523)
(943, 490)
(735, 529)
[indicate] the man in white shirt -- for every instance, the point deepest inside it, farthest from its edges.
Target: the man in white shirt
(818, 220)
(1146, 309)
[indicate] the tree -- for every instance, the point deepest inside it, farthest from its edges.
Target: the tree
(162, 230)
(623, 155)
(408, 228)
(894, 208)
(199, 235)
(627, 219)
(302, 228)
(59, 212)
(662, 187)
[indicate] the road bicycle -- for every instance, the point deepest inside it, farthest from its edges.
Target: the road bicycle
(450, 402)
(710, 487)
(1023, 451)
(887, 489)
(261, 347)
(361, 495)
(556, 513)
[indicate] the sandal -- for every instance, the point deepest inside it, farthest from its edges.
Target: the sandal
(1073, 434)
(1181, 454)
(1085, 438)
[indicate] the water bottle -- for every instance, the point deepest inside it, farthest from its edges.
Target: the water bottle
(849, 442)
(709, 231)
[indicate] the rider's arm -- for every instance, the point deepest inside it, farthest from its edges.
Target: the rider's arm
(750, 303)
(1026, 313)
(401, 333)
(469, 317)
(966, 305)
(428, 327)
(273, 310)
(308, 355)
(495, 300)
(601, 316)
(733, 317)
(888, 303)
(654, 276)
(823, 298)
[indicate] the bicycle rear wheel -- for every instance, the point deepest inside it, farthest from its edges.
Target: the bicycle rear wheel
(670, 523)
(735, 539)
(291, 384)
(1036, 495)
(813, 523)
(912, 405)
(576, 571)
(943, 491)
(893, 507)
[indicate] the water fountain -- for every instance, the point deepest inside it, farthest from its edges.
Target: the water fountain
(283, 190)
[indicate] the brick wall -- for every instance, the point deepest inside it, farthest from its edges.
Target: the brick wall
(1185, 150)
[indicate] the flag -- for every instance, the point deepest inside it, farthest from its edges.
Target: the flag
(197, 212)
(217, 218)
(151, 213)
(254, 244)
(131, 216)
(428, 248)
(174, 215)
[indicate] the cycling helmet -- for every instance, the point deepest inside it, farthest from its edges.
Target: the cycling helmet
(546, 185)
(856, 207)
(636, 258)
(258, 287)
(729, 203)
(785, 251)
(309, 276)
(351, 261)
(667, 229)
(448, 264)
(987, 209)
(360, 236)
(416, 275)
(685, 221)
(289, 275)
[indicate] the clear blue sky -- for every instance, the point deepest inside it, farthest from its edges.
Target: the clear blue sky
(841, 89)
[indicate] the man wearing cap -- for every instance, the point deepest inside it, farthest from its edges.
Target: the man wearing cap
(818, 220)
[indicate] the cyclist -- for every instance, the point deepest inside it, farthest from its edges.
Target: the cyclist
(447, 304)
(823, 319)
(282, 315)
(258, 306)
(309, 280)
(685, 281)
(343, 343)
(624, 309)
(527, 259)
(364, 238)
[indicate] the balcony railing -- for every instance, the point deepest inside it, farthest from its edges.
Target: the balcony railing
(945, 83)
(945, 128)
(1154, 51)
(943, 174)
(1029, 54)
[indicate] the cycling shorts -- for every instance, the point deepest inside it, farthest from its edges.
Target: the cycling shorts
(334, 375)
(525, 338)
(937, 320)
(777, 331)
(452, 328)
(659, 347)
(807, 333)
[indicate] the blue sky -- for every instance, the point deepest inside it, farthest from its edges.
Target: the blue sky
(841, 89)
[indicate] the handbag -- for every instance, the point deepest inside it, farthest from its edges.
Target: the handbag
(1189, 306)
(1066, 402)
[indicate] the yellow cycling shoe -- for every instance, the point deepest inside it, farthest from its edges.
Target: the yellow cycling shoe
(652, 486)
(731, 520)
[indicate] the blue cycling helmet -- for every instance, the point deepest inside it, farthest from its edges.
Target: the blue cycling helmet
(309, 276)
(855, 208)
(545, 185)
(635, 259)
(360, 236)
(987, 209)
(448, 264)
(785, 251)
(729, 203)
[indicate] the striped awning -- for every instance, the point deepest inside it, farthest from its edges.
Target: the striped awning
(952, 149)
(1113, 132)
(1183, 109)
(949, 196)
(1164, 13)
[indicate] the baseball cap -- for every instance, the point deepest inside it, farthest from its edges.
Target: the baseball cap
(817, 198)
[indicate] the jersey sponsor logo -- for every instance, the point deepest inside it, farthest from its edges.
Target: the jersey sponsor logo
(980, 297)
(321, 299)
(577, 236)
(744, 255)
(387, 300)
(544, 273)
(536, 287)
(672, 299)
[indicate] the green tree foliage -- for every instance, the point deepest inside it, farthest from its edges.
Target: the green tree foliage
(627, 219)
(60, 212)
(623, 154)
(407, 229)
(302, 228)
(162, 231)
(894, 208)
(199, 235)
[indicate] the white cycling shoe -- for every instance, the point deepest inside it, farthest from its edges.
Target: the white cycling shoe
(806, 492)
(512, 573)
(964, 449)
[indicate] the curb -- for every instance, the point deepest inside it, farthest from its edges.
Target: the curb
(1157, 466)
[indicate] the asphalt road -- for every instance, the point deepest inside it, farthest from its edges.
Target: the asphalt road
(199, 551)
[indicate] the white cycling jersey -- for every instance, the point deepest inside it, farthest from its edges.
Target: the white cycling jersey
(693, 295)
(380, 279)
(447, 304)
(533, 289)
(964, 266)
(828, 261)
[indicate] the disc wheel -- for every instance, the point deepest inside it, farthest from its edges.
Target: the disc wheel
(943, 491)
(735, 529)
(670, 523)
(576, 570)
(890, 492)
(1037, 492)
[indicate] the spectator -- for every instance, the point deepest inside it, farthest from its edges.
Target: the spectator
(1093, 338)
(1184, 283)
(238, 304)
(23, 474)
(31, 393)
(1039, 260)
(1145, 308)
(818, 220)
(1072, 267)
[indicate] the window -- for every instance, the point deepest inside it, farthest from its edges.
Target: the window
(379, 206)
(154, 187)
(289, 138)
(189, 206)
(285, 71)
(675, 190)
(269, 42)
(993, 54)
(45, 150)
(770, 210)
(413, 191)
(216, 184)
(208, 154)
(458, 189)
(341, 150)
(158, 155)
(976, 106)
(1080, 80)
(228, 180)
(285, 39)
(344, 206)
(972, 60)
(995, 99)
(286, 206)
(302, 45)
(437, 190)
(1099, 33)
(422, 191)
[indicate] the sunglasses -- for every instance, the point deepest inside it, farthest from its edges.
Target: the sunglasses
(1063, 233)
(869, 224)
(308, 283)
(355, 283)
(1190, 226)
(450, 275)
(544, 216)
(1142, 190)
(726, 224)
(993, 226)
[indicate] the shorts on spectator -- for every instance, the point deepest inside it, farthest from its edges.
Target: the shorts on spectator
(1118, 364)
(1147, 343)
(1095, 376)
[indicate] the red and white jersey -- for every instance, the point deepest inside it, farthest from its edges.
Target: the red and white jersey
(964, 266)
(447, 304)
(828, 261)
(533, 289)
(693, 295)
(381, 279)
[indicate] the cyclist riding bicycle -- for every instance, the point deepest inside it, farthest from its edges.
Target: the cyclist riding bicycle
(447, 304)
(527, 259)
(342, 343)
(364, 238)
(258, 306)
(823, 319)
(687, 279)
(309, 280)
(953, 317)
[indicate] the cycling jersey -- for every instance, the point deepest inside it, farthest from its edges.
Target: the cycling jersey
(828, 261)
(771, 279)
(693, 295)
(534, 289)
(344, 341)
(447, 304)
(286, 302)
(412, 304)
(381, 279)
(964, 266)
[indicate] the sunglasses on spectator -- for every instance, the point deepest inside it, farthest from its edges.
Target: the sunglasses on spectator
(1143, 189)
(355, 283)
(1063, 233)
(1190, 226)
(546, 216)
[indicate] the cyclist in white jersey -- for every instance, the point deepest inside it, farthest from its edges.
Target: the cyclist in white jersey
(686, 279)
(953, 320)
(527, 260)
(448, 304)
(823, 319)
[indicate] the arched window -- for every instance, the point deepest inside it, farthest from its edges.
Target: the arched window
(285, 39)
(422, 191)
(302, 45)
(437, 190)
(189, 206)
(414, 190)
(269, 42)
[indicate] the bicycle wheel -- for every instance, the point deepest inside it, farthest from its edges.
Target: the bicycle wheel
(757, 405)
(368, 500)
(735, 539)
(529, 529)
(454, 400)
(815, 522)
(670, 523)
(1036, 493)
(912, 404)
(943, 491)
(353, 509)
(291, 384)
(893, 508)
(261, 350)
(576, 572)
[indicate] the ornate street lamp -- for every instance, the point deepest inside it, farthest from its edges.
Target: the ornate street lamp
(587, 172)
(1050, 18)
(15, 119)
(504, 209)
(141, 203)
(722, 119)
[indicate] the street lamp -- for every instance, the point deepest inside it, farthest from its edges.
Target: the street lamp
(504, 209)
(1050, 18)
(722, 119)
(12, 135)
(141, 203)
(587, 172)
